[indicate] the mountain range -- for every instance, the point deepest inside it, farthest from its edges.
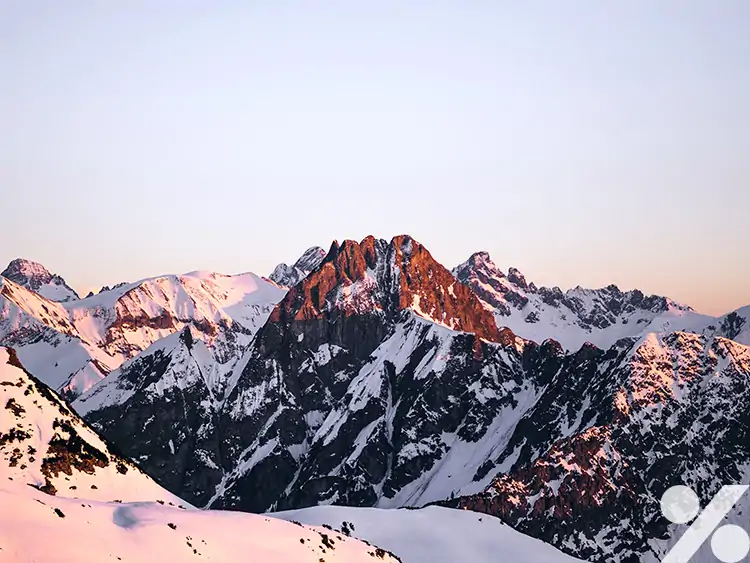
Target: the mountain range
(370, 375)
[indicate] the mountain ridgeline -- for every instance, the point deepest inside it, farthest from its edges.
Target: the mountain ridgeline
(371, 375)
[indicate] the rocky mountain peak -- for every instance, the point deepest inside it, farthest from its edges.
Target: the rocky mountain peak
(477, 262)
(481, 258)
(36, 277)
(376, 276)
(311, 258)
(21, 270)
(481, 274)
(288, 276)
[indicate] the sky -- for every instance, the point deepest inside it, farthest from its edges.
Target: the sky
(583, 142)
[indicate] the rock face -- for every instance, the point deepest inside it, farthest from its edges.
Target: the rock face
(289, 276)
(164, 401)
(600, 316)
(35, 277)
(612, 431)
(375, 277)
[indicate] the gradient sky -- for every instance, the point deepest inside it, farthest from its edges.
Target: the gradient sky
(584, 142)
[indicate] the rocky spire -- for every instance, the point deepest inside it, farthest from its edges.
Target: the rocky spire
(376, 276)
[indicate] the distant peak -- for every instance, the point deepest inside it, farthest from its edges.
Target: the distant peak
(477, 262)
(32, 275)
(116, 286)
(21, 269)
(285, 275)
(311, 258)
(481, 256)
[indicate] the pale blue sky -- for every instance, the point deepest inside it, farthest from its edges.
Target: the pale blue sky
(585, 142)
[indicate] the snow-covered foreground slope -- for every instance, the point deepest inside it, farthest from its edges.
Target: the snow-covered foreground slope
(73, 345)
(44, 444)
(433, 534)
(65, 496)
(43, 528)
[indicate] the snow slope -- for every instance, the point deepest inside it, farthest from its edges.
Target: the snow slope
(44, 444)
(73, 345)
(433, 534)
(187, 364)
(72, 531)
(47, 341)
(131, 317)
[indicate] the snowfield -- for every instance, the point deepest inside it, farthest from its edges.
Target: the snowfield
(433, 534)
(35, 527)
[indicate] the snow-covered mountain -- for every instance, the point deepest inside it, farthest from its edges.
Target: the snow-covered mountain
(73, 345)
(586, 466)
(81, 489)
(85, 503)
(289, 276)
(47, 341)
(435, 535)
(346, 368)
(44, 528)
(599, 316)
(35, 277)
